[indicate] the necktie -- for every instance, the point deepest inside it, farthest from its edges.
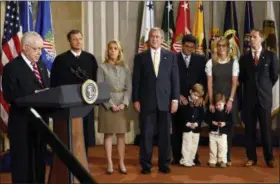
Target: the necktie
(77, 57)
(256, 59)
(37, 73)
(156, 62)
(187, 61)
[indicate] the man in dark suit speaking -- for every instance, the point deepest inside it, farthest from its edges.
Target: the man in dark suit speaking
(155, 95)
(21, 77)
(259, 72)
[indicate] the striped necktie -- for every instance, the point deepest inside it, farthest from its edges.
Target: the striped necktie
(256, 59)
(37, 73)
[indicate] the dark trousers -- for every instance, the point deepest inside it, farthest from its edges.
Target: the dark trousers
(264, 117)
(148, 122)
(27, 149)
(229, 141)
(176, 140)
(89, 130)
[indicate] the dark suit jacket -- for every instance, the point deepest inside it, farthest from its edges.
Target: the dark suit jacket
(258, 80)
(18, 81)
(61, 73)
(155, 92)
(195, 73)
(220, 116)
(191, 113)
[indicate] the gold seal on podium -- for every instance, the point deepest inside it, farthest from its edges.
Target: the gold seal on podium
(89, 91)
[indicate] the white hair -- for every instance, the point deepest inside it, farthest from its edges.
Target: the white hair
(157, 29)
(28, 37)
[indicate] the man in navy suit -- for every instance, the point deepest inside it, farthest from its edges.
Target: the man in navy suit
(155, 95)
(21, 77)
(191, 71)
(259, 70)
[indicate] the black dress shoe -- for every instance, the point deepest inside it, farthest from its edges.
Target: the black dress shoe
(146, 171)
(165, 170)
(270, 163)
(175, 162)
(197, 162)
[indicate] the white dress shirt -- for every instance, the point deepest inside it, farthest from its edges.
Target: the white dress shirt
(75, 53)
(28, 62)
(187, 59)
(258, 52)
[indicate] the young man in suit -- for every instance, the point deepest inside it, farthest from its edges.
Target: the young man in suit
(155, 95)
(74, 67)
(191, 71)
(259, 72)
(21, 77)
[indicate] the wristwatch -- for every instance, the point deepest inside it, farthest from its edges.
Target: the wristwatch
(231, 99)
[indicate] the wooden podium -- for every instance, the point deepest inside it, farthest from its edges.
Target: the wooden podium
(67, 107)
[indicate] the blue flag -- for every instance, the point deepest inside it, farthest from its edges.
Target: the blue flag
(26, 16)
(248, 25)
(44, 28)
(230, 17)
(231, 29)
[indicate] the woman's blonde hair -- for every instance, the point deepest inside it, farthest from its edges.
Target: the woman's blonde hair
(120, 59)
(215, 57)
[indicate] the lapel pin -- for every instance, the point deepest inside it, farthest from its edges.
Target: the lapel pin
(164, 58)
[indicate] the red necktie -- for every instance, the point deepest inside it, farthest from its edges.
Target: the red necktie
(37, 73)
(256, 59)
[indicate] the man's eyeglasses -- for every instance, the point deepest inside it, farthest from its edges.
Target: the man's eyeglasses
(35, 49)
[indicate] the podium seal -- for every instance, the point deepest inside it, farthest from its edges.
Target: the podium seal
(89, 91)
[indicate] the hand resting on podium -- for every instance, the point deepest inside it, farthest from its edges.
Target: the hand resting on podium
(41, 90)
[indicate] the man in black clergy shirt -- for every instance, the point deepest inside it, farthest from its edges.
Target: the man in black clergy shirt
(65, 71)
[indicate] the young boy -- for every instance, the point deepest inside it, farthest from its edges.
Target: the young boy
(219, 128)
(193, 116)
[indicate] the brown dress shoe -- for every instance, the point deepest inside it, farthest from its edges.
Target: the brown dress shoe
(270, 163)
(250, 163)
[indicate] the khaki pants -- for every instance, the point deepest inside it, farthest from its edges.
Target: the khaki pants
(189, 148)
(218, 148)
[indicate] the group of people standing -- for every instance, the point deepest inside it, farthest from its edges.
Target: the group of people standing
(173, 93)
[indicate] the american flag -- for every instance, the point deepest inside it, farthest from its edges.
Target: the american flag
(10, 50)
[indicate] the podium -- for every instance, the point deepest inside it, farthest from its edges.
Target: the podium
(66, 106)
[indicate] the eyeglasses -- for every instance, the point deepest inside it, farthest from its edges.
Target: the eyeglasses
(189, 46)
(221, 45)
(35, 49)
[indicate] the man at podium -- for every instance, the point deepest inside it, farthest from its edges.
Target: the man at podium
(23, 76)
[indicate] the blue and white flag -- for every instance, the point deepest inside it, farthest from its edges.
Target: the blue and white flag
(45, 29)
(26, 16)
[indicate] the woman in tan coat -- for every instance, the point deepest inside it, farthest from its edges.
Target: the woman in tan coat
(113, 117)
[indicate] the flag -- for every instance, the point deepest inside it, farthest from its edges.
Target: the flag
(182, 25)
(231, 29)
(248, 25)
(44, 28)
(198, 28)
(214, 32)
(168, 24)
(26, 16)
(148, 20)
(271, 43)
(10, 50)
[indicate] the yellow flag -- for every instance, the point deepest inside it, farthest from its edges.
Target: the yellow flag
(198, 27)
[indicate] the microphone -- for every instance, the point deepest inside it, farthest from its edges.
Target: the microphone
(78, 72)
